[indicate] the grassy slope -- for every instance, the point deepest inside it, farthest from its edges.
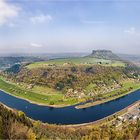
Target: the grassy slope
(80, 60)
(38, 97)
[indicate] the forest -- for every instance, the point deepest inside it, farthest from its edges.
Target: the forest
(15, 125)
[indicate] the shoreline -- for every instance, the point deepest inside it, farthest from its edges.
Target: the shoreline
(75, 105)
(97, 122)
(104, 101)
(103, 119)
(32, 102)
(78, 105)
(37, 103)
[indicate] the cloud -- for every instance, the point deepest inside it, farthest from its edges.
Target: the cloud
(36, 45)
(7, 12)
(41, 19)
(131, 30)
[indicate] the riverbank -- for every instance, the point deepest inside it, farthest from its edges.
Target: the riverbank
(46, 131)
(69, 115)
(104, 120)
(40, 99)
(100, 122)
(32, 102)
(89, 104)
(36, 98)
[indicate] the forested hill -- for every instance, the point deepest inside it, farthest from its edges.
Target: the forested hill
(77, 77)
(74, 73)
(6, 62)
(71, 80)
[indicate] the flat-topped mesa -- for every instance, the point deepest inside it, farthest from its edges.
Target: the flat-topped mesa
(104, 54)
(101, 51)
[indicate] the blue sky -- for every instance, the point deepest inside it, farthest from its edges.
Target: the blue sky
(36, 26)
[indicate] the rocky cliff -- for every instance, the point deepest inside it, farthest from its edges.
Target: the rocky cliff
(104, 54)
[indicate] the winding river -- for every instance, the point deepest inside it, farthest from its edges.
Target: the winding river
(69, 115)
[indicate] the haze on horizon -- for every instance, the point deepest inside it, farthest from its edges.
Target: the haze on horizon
(51, 26)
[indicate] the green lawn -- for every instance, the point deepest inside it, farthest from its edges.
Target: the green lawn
(39, 97)
(77, 61)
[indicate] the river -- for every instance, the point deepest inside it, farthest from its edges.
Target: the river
(69, 115)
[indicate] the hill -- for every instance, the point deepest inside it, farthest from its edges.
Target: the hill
(104, 54)
(68, 81)
(8, 61)
(62, 85)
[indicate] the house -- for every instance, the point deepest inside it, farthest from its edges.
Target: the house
(91, 94)
(74, 93)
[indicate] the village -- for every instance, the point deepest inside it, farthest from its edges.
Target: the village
(100, 89)
(131, 115)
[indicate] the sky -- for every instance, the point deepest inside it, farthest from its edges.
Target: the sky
(57, 26)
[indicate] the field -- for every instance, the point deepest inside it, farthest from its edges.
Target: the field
(77, 61)
(37, 95)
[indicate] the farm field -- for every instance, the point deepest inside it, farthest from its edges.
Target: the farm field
(77, 61)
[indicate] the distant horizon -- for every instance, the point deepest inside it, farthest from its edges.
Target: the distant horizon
(39, 26)
(61, 53)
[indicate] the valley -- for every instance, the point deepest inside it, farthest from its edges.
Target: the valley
(85, 88)
(64, 82)
(69, 70)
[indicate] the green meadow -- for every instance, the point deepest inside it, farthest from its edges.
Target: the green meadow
(37, 94)
(77, 61)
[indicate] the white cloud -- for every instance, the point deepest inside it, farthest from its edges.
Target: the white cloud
(36, 45)
(7, 12)
(131, 30)
(41, 19)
